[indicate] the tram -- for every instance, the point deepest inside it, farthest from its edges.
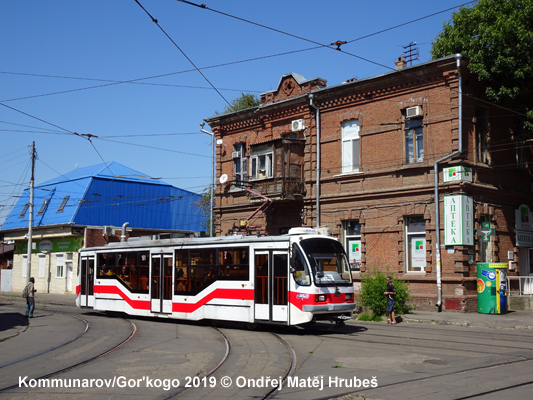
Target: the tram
(290, 279)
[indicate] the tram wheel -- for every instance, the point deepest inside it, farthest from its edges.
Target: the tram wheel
(340, 323)
(252, 326)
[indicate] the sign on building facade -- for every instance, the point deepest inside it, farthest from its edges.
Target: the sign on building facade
(455, 174)
(458, 220)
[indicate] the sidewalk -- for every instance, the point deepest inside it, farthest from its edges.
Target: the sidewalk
(44, 298)
(511, 320)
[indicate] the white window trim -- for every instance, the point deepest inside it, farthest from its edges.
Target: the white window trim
(269, 166)
(243, 163)
(60, 262)
(408, 242)
(350, 140)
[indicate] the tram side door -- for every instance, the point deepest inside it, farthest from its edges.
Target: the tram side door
(87, 281)
(161, 283)
(271, 286)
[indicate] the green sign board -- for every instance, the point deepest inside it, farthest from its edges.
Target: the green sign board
(57, 245)
(458, 220)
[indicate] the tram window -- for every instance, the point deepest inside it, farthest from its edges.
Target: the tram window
(106, 265)
(300, 271)
(196, 269)
(126, 267)
(328, 261)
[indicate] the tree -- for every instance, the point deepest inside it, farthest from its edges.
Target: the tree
(204, 204)
(244, 101)
(497, 38)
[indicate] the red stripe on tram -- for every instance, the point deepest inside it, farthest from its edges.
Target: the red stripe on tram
(226, 294)
(137, 304)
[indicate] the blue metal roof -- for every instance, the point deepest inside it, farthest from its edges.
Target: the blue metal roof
(108, 195)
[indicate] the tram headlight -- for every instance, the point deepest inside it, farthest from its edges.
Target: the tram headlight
(349, 296)
(320, 297)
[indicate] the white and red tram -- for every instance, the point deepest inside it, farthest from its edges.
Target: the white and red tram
(290, 279)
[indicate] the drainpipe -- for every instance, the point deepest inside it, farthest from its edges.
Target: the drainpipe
(317, 119)
(436, 173)
(123, 236)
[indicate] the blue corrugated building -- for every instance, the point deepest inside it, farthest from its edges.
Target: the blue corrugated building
(110, 194)
(87, 207)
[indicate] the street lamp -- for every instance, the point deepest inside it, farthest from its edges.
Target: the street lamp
(212, 175)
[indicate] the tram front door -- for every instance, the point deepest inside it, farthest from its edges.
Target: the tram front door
(87, 282)
(161, 283)
(271, 289)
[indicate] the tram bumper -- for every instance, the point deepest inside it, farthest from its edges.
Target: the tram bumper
(327, 308)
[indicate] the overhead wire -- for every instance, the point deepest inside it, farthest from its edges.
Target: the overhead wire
(182, 52)
(337, 48)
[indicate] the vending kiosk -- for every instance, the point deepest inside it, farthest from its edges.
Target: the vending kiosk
(492, 288)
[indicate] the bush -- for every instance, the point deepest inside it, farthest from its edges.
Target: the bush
(372, 288)
(367, 317)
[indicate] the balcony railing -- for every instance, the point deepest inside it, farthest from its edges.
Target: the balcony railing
(278, 189)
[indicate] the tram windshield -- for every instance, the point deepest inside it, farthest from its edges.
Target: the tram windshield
(328, 261)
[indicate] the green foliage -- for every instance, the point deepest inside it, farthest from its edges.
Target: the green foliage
(372, 289)
(368, 317)
(365, 317)
(497, 37)
(244, 101)
(204, 204)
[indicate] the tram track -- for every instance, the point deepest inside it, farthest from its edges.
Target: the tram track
(222, 372)
(52, 348)
(480, 340)
(518, 354)
(5, 368)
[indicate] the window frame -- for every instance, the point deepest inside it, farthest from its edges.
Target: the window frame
(240, 164)
(60, 266)
(352, 236)
(413, 139)
(43, 207)
(350, 146)
(257, 153)
(412, 235)
(482, 136)
(63, 204)
(24, 209)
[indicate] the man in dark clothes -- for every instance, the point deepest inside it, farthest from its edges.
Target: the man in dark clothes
(390, 293)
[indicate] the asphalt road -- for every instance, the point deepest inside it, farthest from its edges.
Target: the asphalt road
(142, 358)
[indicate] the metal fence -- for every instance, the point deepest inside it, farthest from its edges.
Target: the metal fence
(520, 285)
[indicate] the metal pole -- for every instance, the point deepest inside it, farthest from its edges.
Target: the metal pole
(28, 259)
(212, 185)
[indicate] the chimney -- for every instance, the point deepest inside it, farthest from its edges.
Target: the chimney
(401, 63)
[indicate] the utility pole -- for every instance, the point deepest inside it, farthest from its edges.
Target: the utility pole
(411, 53)
(30, 228)
(212, 185)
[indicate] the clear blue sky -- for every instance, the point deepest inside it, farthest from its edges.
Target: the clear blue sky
(104, 68)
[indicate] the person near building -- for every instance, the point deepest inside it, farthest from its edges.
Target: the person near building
(390, 292)
(30, 300)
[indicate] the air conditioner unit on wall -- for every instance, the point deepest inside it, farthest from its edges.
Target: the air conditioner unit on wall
(413, 112)
(298, 125)
(235, 154)
(108, 230)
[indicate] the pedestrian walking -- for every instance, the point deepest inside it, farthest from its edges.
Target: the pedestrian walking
(390, 292)
(29, 291)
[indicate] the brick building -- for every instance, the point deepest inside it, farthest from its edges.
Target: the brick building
(359, 160)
